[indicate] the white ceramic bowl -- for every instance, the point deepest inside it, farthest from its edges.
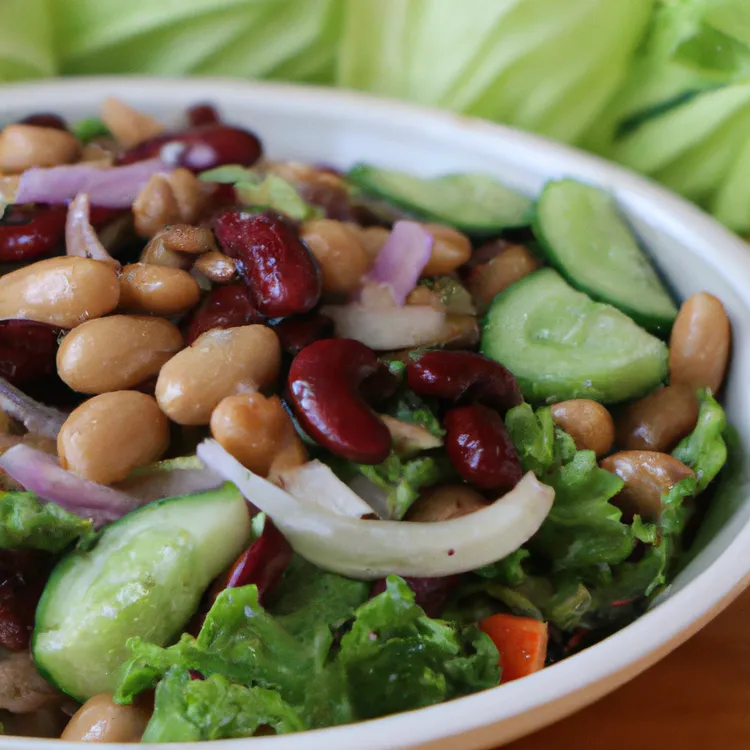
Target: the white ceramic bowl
(695, 253)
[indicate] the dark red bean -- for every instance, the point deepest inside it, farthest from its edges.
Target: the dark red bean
(300, 331)
(226, 306)
(45, 120)
(23, 574)
(480, 448)
(202, 114)
(279, 270)
(204, 147)
(463, 377)
(27, 350)
(262, 563)
(324, 385)
(429, 593)
(28, 233)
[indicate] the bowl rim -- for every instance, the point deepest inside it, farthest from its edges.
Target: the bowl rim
(615, 659)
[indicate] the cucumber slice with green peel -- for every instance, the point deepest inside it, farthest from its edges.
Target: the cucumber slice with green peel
(583, 236)
(144, 577)
(560, 344)
(473, 203)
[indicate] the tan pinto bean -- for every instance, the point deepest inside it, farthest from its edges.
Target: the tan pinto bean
(699, 345)
(373, 239)
(109, 435)
(340, 253)
(158, 254)
(659, 421)
(100, 719)
(508, 266)
(183, 238)
(450, 250)
(158, 290)
(26, 146)
(251, 427)
(62, 292)
(647, 475)
(218, 364)
(445, 502)
(217, 267)
(128, 125)
(116, 353)
(587, 422)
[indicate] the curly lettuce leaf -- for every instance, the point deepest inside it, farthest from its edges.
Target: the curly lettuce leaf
(704, 449)
(540, 65)
(402, 480)
(391, 644)
(28, 523)
(193, 710)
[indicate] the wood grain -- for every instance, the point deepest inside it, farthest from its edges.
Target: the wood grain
(698, 698)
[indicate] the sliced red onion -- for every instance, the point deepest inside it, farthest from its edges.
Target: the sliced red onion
(116, 187)
(373, 549)
(35, 417)
(316, 484)
(80, 237)
(389, 328)
(40, 473)
(402, 259)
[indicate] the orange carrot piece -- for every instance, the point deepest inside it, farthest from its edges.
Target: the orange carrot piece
(521, 641)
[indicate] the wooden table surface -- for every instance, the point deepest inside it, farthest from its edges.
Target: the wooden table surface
(698, 698)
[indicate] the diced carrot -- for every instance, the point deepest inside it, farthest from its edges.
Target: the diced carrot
(521, 641)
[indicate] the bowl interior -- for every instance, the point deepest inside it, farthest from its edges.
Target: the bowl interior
(693, 253)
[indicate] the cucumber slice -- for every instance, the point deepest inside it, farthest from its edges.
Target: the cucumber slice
(582, 235)
(561, 345)
(144, 577)
(474, 203)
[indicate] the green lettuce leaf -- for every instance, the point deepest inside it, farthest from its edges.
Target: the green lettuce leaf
(269, 191)
(705, 450)
(187, 710)
(264, 38)
(26, 41)
(403, 479)
(28, 523)
(540, 65)
(391, 644)
(90, 128)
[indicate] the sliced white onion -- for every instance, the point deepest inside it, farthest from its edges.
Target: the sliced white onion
(315, 484)
(81, 238)
(40, 473)
(116, 187)
(170, 478)
(35, 417)
(388, 328)
(372, 549)
(400, 261)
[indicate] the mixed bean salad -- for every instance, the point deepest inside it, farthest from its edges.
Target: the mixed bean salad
(283, 447)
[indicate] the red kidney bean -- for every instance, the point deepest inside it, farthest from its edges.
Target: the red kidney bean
(45, 120)
(480, 448)
(429, 593)
(463, 376)
(262, 563)
(300, 331)
(202, 114)
(324, 384)
(27, 232)
(27, 350)
(23, 574)
(204, 147)
(226, 306)
(279, 270)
